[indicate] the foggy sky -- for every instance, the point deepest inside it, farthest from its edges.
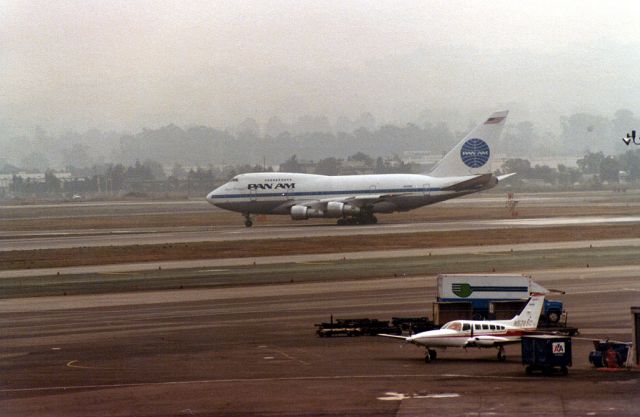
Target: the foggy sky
(126, 65)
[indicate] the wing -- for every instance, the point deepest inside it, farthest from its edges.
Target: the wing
(358, 200)
(393, 336)
(368, 199)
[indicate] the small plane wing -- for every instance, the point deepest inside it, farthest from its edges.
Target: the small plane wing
(394, 336)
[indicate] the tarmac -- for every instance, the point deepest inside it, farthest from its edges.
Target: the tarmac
(244, 349)
(251, 350)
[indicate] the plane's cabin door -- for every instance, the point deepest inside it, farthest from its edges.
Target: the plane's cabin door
(426, 190)
(253, 194)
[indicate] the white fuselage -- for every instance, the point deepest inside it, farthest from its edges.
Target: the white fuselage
(353, 199)
(469, 333)
(276, 193)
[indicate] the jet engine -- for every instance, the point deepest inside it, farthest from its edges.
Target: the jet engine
(304, 212)
(337, 209)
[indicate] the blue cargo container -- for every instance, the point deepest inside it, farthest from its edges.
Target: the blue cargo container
(546, 353)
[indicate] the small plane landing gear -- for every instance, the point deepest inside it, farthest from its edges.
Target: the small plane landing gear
(248, 222)
(501, 355)
(430, 355)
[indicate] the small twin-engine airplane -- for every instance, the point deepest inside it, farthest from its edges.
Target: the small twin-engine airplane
(479, 333)
(353, 199)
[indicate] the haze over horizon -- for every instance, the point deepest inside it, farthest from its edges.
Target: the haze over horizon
(78, 65)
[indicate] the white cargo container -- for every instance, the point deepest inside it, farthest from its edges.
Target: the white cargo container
(483, 289)
(469, 287)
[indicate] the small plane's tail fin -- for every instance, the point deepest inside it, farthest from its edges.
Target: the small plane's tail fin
(530, 314)
(473, 154)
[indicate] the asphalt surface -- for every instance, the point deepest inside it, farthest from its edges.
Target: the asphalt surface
(309, 258)
(251, 350)
(48, 240)
(247, 349)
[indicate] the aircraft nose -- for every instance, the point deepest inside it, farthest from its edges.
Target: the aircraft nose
(211, 197)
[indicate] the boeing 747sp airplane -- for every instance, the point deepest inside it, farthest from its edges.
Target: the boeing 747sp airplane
(353, 199)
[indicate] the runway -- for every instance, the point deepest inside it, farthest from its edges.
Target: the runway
(95, 238)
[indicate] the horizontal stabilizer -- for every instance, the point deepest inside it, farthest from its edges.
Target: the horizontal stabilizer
(505, 176)
(479, 182)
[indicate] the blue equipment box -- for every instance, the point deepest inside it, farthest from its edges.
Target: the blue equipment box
(546, 353)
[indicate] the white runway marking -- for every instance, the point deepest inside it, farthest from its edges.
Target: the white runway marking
(397, 396)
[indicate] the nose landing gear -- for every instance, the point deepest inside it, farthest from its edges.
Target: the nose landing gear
(248, 222)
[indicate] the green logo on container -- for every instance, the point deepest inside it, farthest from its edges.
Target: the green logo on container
(462, 290)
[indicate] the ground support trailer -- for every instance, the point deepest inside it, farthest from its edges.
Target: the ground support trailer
(355, 327)
(412, 325)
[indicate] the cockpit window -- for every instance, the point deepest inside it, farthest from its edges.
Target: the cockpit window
(455, 325)
(234, 179)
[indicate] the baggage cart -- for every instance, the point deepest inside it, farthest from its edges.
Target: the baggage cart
(546, 353)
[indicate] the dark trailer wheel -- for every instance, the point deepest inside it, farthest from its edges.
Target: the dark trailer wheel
(546, 353)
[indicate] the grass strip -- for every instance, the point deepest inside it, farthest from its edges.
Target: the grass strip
(66, 257)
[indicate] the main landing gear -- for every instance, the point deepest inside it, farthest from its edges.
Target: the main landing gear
(345, 221)
(502, 356)
(247, 221)
(430, 355)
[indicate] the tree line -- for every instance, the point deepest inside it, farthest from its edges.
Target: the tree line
(313, 139)
(143, 178)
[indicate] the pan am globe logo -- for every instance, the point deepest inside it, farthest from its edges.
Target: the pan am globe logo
(475, 153)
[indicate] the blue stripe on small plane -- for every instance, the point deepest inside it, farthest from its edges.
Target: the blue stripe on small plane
(325, 193)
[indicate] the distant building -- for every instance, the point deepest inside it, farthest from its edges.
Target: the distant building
(420, 157)
(7, 179)
(550, 161)
(428, 159)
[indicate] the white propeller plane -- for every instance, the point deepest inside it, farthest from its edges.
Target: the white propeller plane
(479, 333)
(353, 199)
